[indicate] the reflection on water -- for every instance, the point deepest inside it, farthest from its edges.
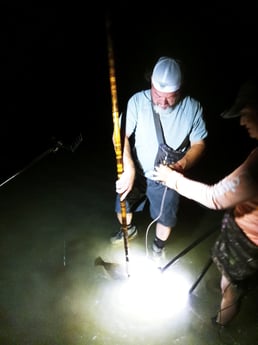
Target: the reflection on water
(47, 214)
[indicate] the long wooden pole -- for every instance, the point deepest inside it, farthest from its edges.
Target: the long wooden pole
(117, 136)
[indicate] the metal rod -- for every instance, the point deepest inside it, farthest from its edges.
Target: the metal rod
(204, 270)
(187, 249)
(29, 165)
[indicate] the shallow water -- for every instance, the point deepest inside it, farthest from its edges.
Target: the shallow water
(56, 219)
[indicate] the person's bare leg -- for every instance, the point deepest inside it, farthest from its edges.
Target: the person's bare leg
(162, 234)
(162, 231)
(229, 302)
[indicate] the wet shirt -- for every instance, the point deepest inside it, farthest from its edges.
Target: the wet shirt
(238, 190)
(182, 126)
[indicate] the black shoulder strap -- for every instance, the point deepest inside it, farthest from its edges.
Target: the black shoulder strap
(159, 130)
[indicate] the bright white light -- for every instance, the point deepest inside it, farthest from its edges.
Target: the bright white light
(145, 304)
(148, 307)
(149, 294)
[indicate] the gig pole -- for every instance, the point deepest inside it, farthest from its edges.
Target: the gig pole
(117, 136)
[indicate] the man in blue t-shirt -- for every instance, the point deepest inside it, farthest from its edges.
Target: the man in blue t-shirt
(184, 130)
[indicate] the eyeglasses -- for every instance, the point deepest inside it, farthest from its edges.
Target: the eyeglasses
(164, 96)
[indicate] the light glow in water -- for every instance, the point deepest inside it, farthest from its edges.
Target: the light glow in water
(149, 294)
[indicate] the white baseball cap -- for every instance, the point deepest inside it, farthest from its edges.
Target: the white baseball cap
(166, 75)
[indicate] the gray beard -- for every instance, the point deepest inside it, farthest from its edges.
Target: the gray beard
(162, 111)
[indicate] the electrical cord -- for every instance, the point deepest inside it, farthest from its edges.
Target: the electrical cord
(165, 162)
(154, 220)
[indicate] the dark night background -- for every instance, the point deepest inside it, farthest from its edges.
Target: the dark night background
(58, 217)
(55, 78)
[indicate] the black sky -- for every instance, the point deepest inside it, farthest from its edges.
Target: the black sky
(54, 64)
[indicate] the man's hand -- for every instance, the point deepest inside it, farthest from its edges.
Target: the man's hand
(166, 175)
(177, 166)
(161, 173)
(125, 183)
